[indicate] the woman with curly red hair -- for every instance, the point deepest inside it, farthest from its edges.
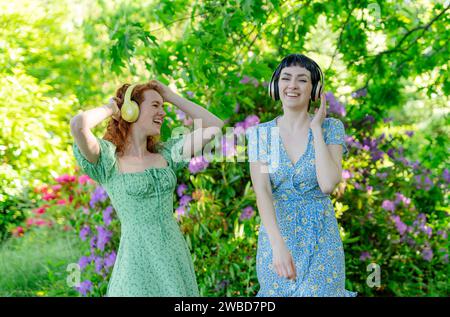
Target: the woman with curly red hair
(139, 174)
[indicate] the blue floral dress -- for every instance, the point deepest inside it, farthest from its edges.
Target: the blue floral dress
(305, 216)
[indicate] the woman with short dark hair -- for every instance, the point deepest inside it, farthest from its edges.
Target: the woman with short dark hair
(295, 164)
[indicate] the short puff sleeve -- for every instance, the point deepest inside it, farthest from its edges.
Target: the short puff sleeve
(335, 133)
(172, 150)
(101, 170)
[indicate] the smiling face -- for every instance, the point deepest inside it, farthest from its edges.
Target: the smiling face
(295, 86)
(152, 113)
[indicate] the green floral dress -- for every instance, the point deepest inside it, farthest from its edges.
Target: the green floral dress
(153, 258)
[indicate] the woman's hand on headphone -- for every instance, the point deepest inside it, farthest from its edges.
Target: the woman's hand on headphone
(163, 90)
(115, 109)
(320, 113)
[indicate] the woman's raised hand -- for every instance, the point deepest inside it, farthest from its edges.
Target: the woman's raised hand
(320, 113)
(115, 109)
(165, 92)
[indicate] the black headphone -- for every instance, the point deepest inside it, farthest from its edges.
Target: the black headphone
(316, 91)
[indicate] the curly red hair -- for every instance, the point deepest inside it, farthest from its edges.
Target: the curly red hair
(117, 131)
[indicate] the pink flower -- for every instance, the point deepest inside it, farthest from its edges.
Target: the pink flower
(56, 187)
(18, 231)
(48, 196)
(65, 179)
(61, 202)
(83, 179)
(40, 222)
(40, 210)
(346, 174)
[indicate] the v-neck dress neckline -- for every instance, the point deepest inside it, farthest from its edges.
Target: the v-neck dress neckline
(283, 148)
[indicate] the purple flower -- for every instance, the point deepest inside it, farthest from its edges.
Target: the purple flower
(197, 164)
(399, 224)
(99, 195)
(98, 264)
(390, 152)
(239, 128)
(409, 133)
(428, 181)
(388, 119)
(427, 254)
(369, 118)
(428, 231)
(107, 215)
(245, 80)
(181, 189)
(247, 213)
(382, 175)
(346, 174)
(180, 114)
(442, 233)
(388, 205)
(180, 211)
(83, 262)
(400, 198)
(190, 93)
(184, 200)
(85, 287)
(335, 105)
(251, 121)
(103, 237)
(364, 256)
(415, 165)
(446, 176)
(228, 145)
(84, 232)
(93, 242)
(110, 259)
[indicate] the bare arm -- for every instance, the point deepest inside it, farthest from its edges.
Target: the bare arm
(328, 159)
(81, 125)
(210, 124)
(282, 259)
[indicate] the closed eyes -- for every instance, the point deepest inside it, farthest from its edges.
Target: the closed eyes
(302, 80)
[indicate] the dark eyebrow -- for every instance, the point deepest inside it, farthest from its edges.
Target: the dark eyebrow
(300, 75)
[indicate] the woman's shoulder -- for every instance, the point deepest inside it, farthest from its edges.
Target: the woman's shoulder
(329, 121)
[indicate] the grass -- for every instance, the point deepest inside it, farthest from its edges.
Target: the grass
(35, 264)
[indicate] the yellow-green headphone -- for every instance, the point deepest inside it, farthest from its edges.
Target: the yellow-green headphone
(130, 109)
